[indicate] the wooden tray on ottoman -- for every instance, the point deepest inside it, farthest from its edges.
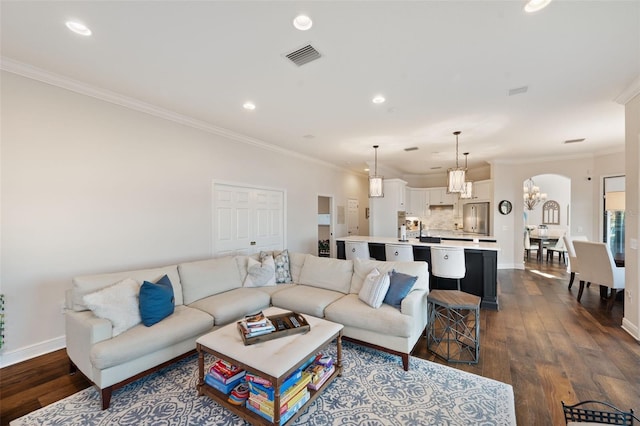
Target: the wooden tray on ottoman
(284, 324)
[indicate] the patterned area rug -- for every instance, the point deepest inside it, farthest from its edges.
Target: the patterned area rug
(373, 390)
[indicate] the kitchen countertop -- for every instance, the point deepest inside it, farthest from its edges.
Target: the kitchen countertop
(416, 242)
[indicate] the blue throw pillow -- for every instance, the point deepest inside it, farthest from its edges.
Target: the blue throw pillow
(400, 285)
(156, 301)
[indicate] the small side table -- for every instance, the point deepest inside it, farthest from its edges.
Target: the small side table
(453, 332)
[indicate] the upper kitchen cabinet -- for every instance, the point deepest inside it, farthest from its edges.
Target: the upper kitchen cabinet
(417, 202)
(482, 191)
(383, 219)
(439, 197)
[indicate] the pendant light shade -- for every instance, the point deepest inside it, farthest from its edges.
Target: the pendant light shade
(375, 181)
(468, 185)
(456, 177)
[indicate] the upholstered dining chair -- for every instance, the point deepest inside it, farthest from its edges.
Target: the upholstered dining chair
(598, 267)
(559, 248)
(527, 244)
(573, 261)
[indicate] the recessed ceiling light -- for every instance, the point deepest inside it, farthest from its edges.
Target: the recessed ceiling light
(249, 105)
(378, 99)
(302, 22)
(535, 5)
(436, 168)
(78, 28)
(366, 170)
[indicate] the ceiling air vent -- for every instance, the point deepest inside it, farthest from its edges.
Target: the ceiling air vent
(574, 140)
(413, 148)
(518, 90)
(304, 55)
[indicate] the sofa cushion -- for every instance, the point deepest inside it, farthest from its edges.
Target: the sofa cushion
(233, 304)
(90, 283)
(305, 299)
(208, 277)
(260, 273)
(117, 303)
(138, 341)
(374, 289)
(327, 273)
(296, 262)
(156, 301)
(362, 268)
(353, 312)
(399, 286)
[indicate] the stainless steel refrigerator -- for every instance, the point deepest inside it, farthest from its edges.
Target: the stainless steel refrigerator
(475, 218)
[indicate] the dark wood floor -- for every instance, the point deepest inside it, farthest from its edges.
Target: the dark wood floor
(546, 345)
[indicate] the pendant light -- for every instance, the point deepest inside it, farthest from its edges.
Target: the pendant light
(456, 177)
(375, 181)
(468, 185)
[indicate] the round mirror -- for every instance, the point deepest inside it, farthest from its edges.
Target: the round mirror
(505, 207)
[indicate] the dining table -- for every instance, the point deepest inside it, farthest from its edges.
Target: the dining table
(541, 240)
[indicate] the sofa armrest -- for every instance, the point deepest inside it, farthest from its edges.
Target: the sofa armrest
(83, 330)
(415, 306)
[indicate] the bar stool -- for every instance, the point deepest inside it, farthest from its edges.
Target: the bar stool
(356, 250)
(398, 252)
(454, 316)
(448, 262)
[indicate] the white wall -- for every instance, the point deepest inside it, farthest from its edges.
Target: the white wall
(90, 187)
(584, 207)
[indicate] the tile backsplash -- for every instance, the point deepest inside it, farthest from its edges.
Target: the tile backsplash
(439, 218)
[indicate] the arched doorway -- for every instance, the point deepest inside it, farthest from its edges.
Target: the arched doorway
(546, 217)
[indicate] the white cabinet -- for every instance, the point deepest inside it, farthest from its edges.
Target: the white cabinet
(417, 202)
(383, 219)
(439, 196)
(482, 191)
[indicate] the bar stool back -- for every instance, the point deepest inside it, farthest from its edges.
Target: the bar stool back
(448, 262)
(398, 252)
(356, 250)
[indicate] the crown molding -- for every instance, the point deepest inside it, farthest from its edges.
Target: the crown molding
(39, 74)
(629, 93)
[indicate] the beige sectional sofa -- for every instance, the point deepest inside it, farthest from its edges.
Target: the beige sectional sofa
(210, 293)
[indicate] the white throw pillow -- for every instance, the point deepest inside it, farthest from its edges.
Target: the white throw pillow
(117, 303)
(374, 288)
(260, 274)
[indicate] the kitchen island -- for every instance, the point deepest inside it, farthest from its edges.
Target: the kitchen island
(481, 262)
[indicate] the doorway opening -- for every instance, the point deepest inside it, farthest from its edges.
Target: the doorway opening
(613, 208)
(325, 226)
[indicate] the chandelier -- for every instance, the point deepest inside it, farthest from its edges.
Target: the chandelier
(456, 177)
(532, 195)
(375, 181)
(468, 185)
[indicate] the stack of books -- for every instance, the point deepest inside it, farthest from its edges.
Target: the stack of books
(320, 370)
(224, 376)
(293, 395)
(256, 325)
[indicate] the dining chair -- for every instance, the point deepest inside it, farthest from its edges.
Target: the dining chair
(598, 267)
(573, 261)
(527, 244)
(559, 248)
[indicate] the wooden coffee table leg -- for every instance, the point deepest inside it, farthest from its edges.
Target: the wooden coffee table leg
(200, 369)
(339, 346)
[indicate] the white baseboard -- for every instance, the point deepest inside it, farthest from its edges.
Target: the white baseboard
(510, 266)
(630, 328)
(28, 352)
